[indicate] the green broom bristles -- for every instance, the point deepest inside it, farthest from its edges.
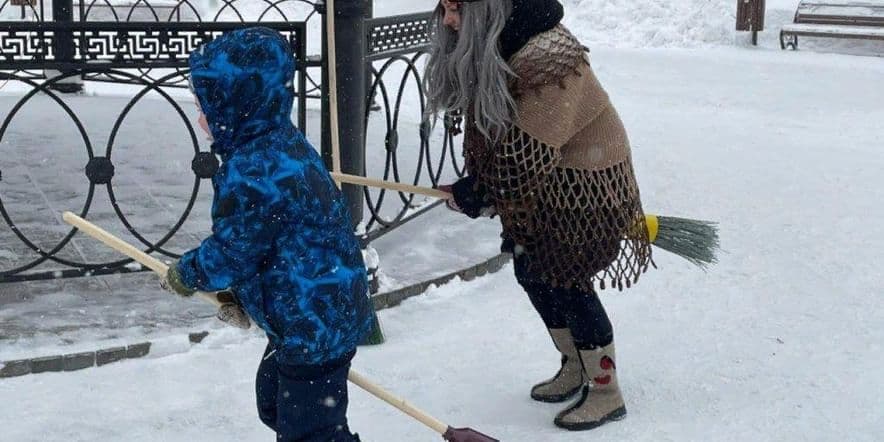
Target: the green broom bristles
(694, 240)
(376, 335)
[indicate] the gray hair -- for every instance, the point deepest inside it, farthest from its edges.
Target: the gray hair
(465, 71)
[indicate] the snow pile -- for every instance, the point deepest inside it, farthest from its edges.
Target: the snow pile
(655, 23)
(668, 23)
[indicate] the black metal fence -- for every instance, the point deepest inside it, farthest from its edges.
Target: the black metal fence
(144, 44)
(396, 48)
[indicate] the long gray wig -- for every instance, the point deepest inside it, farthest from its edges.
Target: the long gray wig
(465, 71)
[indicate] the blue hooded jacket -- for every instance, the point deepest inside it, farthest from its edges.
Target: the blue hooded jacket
(281, 238)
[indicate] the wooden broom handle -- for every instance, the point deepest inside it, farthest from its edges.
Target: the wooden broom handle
(338, 176)
(400, 187)
(127, 249)
(161, 268)
(424, 418)
(356, 378)
(651, 221)
(332, 64)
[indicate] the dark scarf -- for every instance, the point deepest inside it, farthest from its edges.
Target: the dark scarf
(529, 18)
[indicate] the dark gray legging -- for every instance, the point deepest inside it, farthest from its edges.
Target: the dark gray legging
(575, 309)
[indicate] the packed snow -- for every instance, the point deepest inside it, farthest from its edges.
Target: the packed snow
(781, 341)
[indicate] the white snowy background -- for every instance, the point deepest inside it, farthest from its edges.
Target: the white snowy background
(781, 341)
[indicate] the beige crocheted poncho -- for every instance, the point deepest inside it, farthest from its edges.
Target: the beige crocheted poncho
(561, 177)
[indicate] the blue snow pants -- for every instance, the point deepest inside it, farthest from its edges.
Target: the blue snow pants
(304, 403)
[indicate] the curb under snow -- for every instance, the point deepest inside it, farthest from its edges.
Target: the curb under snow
(84, 360)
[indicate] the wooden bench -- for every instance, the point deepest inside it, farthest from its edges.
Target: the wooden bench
(860, 19)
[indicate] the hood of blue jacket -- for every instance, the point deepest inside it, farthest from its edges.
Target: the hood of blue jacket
(243, 81)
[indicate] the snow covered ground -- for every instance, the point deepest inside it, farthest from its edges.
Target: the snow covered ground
(698, 359)
(782, 341)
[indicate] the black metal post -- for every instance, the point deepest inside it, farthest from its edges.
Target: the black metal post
(758, 12)
(371, 100)
(350, 38)
(351, 86)
(63, 12)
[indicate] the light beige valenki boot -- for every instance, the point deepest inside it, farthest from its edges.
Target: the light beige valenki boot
(601, 401)
(568, 381)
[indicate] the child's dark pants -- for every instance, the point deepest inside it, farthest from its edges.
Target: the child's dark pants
(304, 403)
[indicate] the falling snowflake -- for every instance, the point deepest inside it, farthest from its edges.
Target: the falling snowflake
(330, 402)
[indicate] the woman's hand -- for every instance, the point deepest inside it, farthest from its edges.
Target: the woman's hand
(469, 197)
(450, 202)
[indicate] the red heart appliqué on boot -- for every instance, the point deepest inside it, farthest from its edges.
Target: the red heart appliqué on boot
(607, 364)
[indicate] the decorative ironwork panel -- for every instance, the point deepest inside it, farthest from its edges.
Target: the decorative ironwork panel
(128, 52)
(399, 35)
(165, 10)
(396, 46)
(119, 45)
(20, 46)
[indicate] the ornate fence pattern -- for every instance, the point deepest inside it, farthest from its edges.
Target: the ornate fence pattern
(145, 44)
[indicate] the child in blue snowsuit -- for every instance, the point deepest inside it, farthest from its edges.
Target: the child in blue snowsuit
(282, 239)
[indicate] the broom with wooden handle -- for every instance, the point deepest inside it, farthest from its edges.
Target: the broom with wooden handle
(376, 335)
(448, 433)
(228, 311)
(694, 240)
(332, 62)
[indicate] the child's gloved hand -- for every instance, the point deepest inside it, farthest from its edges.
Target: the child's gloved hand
(173, 283)
(233, 314)
(231, 311)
